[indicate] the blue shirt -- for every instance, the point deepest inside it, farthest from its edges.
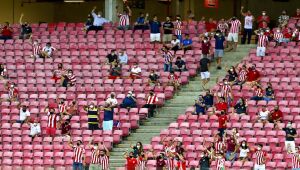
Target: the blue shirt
(128, 101)
(208, 100)
(98, 21)
(140, 20)
(123, 59)
(219, 44)
(187, 42)
(155, 27)
(108, 115)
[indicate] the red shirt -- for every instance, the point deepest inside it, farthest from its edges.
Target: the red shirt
(296, 16)
(230, 144)
(222, 121)
(276, 115)
(65, 129)
(253, 75)
(221, 106)
(6, 31)
(131, 163)
(205, 47)
(210, 26)
(263, 21)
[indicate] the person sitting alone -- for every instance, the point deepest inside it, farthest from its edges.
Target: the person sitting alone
(179, 65)
(3, 72)
(187, 43)
(153, 79)
(200, 106)
(129, 101)
(136, 71)
(35, 128)
(69, 79)
(173, 80)
(115, 72)
(47, 51)
(175, 44)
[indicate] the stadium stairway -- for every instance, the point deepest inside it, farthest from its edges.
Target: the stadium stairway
(174, 107)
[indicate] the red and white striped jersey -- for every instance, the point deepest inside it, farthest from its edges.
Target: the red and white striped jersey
(295, 160)
(95, 156)
(178, 28)
(277, 36)
(219, 146)
(168, 57)
(72, 79)
(258, 92)
(235, 26)
(260, 156)
(296, 35)
(243, 75)
(13, 92)
(36, 49)
(262, 41)
(124, 20)
(220, 163)
(141, 164)
(225, 90)
(170, 164)
(152, 99)
(104, 162)
(181, 165)
(52, 120)
(78, 154)
(222, 27)
(62, 108)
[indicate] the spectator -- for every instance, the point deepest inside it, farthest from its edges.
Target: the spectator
(260, 158)
(72, 108)
(287, 34)
(136, 71)
(112, 58)
(242, 76)
(291, 134)
(58, 73)
(112, 100)
(276, 116)
(200, 106)
(226, 91)
(263, 115)
(36, 50)
(6, 32)
(204, 162)
(129, 101)
(131, 160)
(248, 25)
(153, 79)
(104, 155)
(13, 92)
(154, 30)
(178, 28)
(190, 15)
(232, 75)
(204, 70)
(218, 145)
(24, 114)
(222, 118)
(62, 106)
(151, 101)
(296, 16)
(295, 159)
(222, 26)
(210, 26)
(240, 107)
(278, 37)
(258, 93)
(108, 119)
(115, 72)
(88, 23)
(231, 148)
(141, 21)
(179, 65)
(69, 79)
(233, 36)
(283, 19)
(35, 128)
(220, 160)
(296, 35)
(208, 99)
(221, 104)
(98, 21)
(263, 20)
(93, 116)
(219, 48)
(3, 72)
(261, 44)
(168, 56)
(175, 44)
(79, 155)
(187, 43)
(168, 27)
(95, 161)
(137, 149)
(244, 152)
(173, 80)
(66, 128)
(269, 33)
(160, 162)
(26, 30)
(181, 161)
(124, 23)
(47, 51)
(53, 122)
(253, 75)
(269, 93)
(205, 47)
(123, 58)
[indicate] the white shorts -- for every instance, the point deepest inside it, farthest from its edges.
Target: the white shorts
(260, 51)
(154, 37)
(108, 125)
(205, 75)
(33, 133)
(233, 37)
(259, 167)
(290, 145)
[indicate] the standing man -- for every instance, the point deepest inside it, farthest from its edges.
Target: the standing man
(233, 36)
(151, 101)
(95, 159)
(178, 28)
(263, 20)
(219, 48)
(53, 119)
(98, 21)
(79, 155)
(168, 27)
(204, 70)
(108, 120)
(248, 25)
(124, 23)
(222, 119)
(154, 30)
(295, 159)
(261, 44)
(93, 113)
(131, 161)
(104, 157)
(168, 56)
(291, 134)
(26, 30)
(260, 158)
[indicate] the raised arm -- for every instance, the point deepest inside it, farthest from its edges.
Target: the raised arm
(242, 13)
(70, 143)
(106, 150)
(129, 11)
(21, 19)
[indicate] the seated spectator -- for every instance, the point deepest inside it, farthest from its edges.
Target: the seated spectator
(58, 73)
(13, 92)
(240, 107)
(205, 47)
(98, 21)
(26, 30)
(129, 101)
(276, 116)
(175, 43)
(88, 23)
(24, 114)
(287, 34)
(135, 71)
(253, 75)
(35, 128)
(6, 32)
(124, 23)
(151, 100)
(269, 33)
(283, 19)
(296, 35)
(208, 99)
(115, 72)
(112, 100)
(141, 21)
(3, 72)
(269, 93)
(258, 93)
(179, 65)
(47, 51)
(263, 115)
(221, 104)
(68, 79)
(296, 16)
(108, 120)
(232, 75)
(242, 77)
(123, 58)
(187, 43)
(210, 26)
(200, 106)
(36, 50)
(244, 154)
(112, 58)
(137, 149)
(173, 80)
(153, 79)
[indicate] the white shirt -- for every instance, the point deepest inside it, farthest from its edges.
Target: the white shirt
(264, 115)
(48, 50)
(243, 152)
(24, 115)
(136, 70)
(248, 22)
(175, 42)
(98, 20)
(35, 129)
(112, 101)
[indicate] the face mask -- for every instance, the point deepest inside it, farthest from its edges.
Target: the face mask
(243, 144)
(278, 31)
(99, 15)
(259, 148)
(138, 146)
(231, 69)
(95, 147)
(12, 86)
(205, 41)
(264, 13)
(202, 155)
(289, 125)
(217, 34)
(69, 74)
(91, 106)
(225, 82)
(267, 30)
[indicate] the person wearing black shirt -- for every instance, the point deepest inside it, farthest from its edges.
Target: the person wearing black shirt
(232, 75)
(112, 58)
(204, 69)
(241, 106)
(204, 162)
(179, 65)
(208, 99)
(269, 93)
(153, 78)
(25, 29)
(291, 134)
(168, 27)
